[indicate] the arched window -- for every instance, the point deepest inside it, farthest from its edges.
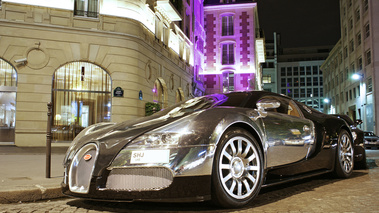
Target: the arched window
(179, 95)
(8, 89)
(160, 93)
(82, 96)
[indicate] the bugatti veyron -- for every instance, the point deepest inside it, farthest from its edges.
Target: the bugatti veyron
(221, 147)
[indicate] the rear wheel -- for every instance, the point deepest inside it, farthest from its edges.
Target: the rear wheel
(237, 169)
(345, 155)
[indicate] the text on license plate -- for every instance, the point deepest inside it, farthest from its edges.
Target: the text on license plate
(150, 156)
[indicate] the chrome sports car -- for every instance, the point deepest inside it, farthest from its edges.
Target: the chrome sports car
(221, 147)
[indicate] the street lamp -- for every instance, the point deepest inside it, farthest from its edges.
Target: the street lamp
(357, 76)
(326, 100)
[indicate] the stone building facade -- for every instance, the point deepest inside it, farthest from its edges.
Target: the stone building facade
(102, 61)
(234, 46)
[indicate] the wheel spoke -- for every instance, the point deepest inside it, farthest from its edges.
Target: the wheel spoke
(251, 158)
(248, 189)
(239, 146)
(225, 166)
(232, 187)
(227, 155)
(247, 149)
(252, 168)
(239, 188)
(251, 178)
(228, 177)
(233, 148)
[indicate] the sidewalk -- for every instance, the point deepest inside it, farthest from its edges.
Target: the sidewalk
(23, 174)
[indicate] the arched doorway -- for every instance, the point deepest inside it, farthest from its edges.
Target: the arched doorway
(81, 96)
(8, 89)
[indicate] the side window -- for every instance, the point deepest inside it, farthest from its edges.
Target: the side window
(287, 106)
(293, 109)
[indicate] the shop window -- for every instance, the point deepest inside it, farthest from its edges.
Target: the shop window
(81, 97)
(8, 88)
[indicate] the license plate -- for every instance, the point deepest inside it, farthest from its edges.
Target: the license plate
(150, 156)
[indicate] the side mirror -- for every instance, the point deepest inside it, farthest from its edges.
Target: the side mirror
(268, 104)
(358, 122)
(263, 105)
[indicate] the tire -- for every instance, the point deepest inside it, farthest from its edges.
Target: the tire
(345, 155)
(237, 173)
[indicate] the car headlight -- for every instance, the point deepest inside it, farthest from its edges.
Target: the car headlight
(154, 139)
(166, 135)
(354, 135)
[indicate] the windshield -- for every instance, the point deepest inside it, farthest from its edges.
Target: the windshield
(205, 102)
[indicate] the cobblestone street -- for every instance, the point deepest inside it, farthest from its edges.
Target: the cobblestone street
(318, 194)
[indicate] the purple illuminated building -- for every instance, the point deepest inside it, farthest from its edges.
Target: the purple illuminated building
(234, 46)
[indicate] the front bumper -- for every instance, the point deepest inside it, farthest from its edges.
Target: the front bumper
(182, 189)
(185, 176)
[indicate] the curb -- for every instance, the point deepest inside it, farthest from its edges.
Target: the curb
(36, 193)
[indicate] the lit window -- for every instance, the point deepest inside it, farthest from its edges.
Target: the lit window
(81, 97)
(87, 8)
(266, 79)
(228, 81)
(228, 54)
(8, 89)
(227, 25)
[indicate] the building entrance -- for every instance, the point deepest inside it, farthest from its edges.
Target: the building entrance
(81, 97)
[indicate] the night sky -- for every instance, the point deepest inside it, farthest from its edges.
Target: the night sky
(301, 23)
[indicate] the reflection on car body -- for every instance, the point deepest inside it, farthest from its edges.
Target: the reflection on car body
(221, 147)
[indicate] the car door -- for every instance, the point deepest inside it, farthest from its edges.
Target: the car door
(289, 135)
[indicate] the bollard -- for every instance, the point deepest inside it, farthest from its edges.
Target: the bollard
(48, 140)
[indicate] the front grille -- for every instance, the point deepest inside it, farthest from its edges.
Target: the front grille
(81, 169)
(139, 179)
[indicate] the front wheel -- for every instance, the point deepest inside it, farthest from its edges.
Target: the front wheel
(345, 155)
(237, 169)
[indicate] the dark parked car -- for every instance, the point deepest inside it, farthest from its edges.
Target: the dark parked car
(359, 149)
(221, 147)
(371, 140)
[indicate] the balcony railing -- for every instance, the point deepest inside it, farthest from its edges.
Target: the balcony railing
(92, 14)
